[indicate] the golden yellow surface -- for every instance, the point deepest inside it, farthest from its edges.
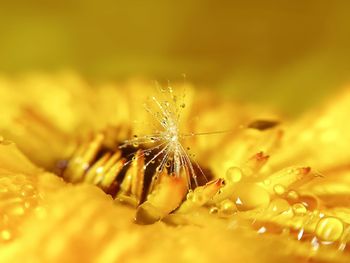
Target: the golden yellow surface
(293, 208)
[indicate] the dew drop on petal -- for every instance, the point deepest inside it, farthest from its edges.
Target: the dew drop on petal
(227, 208)
(190, 195)
(198, 198)
(279, 189)
(309, 201)
(213, 210)
(329, 229)
(299, 209)
(293, 195)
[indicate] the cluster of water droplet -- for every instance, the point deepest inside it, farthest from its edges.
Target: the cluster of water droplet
(280, 211)
(18, 197)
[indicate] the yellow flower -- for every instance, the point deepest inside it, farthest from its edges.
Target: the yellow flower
(275, 195)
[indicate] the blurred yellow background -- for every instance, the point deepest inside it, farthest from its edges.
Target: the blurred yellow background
(290, 54)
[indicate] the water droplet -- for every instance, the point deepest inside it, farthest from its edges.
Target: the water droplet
(279, 189)
(27, 190)
(233, 174)
(198, 198)
(299, 209)
(213, 210)
(329, 229)
(293, 195)
(190, 195)
(227, 208)
(309, 201)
